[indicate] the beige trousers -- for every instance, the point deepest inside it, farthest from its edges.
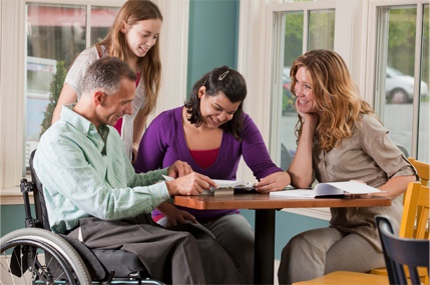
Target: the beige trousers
(317, 252)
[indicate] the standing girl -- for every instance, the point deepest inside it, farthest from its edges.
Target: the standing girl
(133, 37)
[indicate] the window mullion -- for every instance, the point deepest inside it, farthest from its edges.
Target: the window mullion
(417, 79)
(88, 27)
(306, 13)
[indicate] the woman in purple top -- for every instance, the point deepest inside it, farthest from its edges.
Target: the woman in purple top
(211, 133)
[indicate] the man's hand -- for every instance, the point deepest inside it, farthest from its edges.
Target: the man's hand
(190, 184)
(178, 169)
(174, 215)
(179, 217)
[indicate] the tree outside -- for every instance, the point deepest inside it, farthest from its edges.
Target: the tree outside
(56, 86)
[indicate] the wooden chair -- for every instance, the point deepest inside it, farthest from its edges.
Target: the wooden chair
(415, 219)
(401, 253)
(347, 277)
(422, 169)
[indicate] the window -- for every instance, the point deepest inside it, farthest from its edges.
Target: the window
(56, 34)
(30, 58)
(298, 27)
(374, 37)
(302, 30)
(402, 86)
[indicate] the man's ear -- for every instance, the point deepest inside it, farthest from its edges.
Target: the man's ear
(98, 98)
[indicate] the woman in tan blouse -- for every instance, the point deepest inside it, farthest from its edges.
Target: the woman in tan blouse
(340, 138)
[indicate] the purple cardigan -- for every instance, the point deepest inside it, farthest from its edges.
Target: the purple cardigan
(164, 142)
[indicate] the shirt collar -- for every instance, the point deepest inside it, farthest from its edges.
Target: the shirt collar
(83, 125)
(73, 118)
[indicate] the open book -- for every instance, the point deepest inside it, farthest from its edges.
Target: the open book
(229, 187)
(224, 187)
(330, 190)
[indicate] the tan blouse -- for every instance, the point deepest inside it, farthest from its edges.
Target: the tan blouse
(371, 156)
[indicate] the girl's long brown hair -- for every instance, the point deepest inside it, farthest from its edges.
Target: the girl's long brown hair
(131, 12)
(336, 96)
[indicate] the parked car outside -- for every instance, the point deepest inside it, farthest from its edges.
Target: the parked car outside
(400, 87)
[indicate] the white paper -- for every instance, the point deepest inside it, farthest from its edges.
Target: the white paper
(326, 189)
(168, 178)
(349, 187)
(296, 193)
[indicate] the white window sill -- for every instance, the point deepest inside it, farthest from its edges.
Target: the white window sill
(13, 197)
(317, 213)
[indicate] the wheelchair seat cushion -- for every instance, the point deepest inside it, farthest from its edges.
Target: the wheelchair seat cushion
(95, 268)
(124, 263)
(101, 262)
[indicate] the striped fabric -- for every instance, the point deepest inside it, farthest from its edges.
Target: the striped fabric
(87, 173)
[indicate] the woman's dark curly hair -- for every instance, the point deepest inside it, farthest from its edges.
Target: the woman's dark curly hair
(225, 80)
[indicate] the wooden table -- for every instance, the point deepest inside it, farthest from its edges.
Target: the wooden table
(265, 207)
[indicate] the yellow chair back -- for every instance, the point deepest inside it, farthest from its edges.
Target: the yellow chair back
(415, 219)
(422, 170)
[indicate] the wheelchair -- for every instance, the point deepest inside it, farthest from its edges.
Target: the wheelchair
(36, 255)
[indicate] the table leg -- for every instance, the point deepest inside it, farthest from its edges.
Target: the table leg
(264, 246)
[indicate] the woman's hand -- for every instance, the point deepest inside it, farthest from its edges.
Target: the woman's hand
(311, 118)
(273, 182)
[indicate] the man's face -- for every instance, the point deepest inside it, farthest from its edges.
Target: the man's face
(115, 106)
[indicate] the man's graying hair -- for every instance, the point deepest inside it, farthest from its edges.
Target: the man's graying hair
(105, 74)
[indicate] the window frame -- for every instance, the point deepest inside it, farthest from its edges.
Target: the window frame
(356, 45)
(258, 70)
(12, 72)
(375, 58)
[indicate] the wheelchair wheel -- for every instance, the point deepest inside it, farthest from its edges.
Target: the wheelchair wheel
(38, 256)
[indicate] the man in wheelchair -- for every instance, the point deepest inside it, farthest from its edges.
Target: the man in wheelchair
(93, 194)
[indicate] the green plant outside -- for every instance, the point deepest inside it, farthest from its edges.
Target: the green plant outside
(55, 90)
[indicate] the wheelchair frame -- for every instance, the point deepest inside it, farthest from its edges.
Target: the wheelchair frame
(35, 255)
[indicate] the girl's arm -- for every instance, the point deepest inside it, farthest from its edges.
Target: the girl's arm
(67, 96)
(139, 124)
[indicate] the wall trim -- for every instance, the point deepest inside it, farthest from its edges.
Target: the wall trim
(174, 55)
(13, 197)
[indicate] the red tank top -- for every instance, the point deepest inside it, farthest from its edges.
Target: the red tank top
(204, 158)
